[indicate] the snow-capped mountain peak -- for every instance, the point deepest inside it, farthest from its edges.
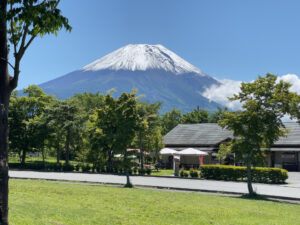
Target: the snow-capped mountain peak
(143, 57)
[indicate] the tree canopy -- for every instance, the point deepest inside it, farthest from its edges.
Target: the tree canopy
(259, 124)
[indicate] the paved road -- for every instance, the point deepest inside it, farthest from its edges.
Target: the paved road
(294, 179)
(291, 190)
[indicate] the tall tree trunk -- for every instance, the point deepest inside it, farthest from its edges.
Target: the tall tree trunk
(249, 178)
(23, 156)
(68, 146)
(127, 167)
(141, 150)
(57, 153)
(110, 160)
(4, 98)
(43, 153)
(5, 91)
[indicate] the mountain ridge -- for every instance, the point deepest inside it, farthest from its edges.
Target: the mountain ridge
(143, 57)
(159, 76)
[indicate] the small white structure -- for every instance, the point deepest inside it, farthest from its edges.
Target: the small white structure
(167, 151)
(192, 152)
(192, 156)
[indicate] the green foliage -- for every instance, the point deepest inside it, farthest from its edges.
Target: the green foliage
(85, 168)
(224, 150)
(216, 116)
(265, 102)
(148, 171)
(196, 116)
(259, 125)
(169, 120)
(237, 173)
(42, 166)
(184, 173)
(30, 18)
(65, 120)
(148, 136)
(142, 171)
(112, 128)
(68, 168)
(27, 131)
(194, 173)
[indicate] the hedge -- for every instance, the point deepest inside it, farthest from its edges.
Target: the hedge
(58, 167)
(235, 173)
(85, 168)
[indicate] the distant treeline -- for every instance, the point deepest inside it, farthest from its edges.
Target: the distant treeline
(91, 128)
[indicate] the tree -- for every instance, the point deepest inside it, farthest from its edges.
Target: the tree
(24, 112)
(216, 116)
(169, 120)
(128, 119)
(265, 102)
(196, 116)
(26, 20)
(113, 128)
(66, 121)
(148, 129)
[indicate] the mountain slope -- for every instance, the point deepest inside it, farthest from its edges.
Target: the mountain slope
(157, 73)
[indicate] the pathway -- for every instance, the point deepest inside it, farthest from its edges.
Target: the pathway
(291, 190)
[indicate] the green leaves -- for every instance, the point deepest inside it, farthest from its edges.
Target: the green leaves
(196, 116)
(265, 102)
(113, 126)
(26, 19)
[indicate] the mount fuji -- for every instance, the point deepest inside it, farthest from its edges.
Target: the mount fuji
(158, 74)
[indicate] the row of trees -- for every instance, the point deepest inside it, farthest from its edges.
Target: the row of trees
(91, 127)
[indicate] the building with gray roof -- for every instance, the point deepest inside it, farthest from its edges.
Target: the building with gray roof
(285, 153)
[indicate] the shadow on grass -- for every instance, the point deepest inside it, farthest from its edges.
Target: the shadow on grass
(257, 197)
(254, 196)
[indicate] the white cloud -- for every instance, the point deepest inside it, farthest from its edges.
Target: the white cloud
(221, 93)
(227, 88)
(294, 80)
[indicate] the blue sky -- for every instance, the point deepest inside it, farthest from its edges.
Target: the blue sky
(232, 39)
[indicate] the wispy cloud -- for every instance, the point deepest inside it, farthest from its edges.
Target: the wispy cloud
(221, 93)
(228, 88)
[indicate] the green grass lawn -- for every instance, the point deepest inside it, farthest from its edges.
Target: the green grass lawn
(162, 172)
(44, 202)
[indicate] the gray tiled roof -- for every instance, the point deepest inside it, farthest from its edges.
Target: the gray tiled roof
(293, 137)
(196, 134)
(209, 134)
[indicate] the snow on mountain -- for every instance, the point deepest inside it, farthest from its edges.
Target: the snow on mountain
(143, 57)
(156, 72)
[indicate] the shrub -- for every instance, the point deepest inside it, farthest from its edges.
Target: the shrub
(67, 168)
(185, 173)
(57, 167)
(86, 168)
(135, 169)
(121, 170)
(194, 173)
(148, 171)
(77, 167)
(181, 172)
(103, 169)
(235, 173)
(142, 171)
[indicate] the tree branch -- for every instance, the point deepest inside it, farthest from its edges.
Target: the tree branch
(8, 63)
(29, 42)
(12, 31)
(23, 38)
